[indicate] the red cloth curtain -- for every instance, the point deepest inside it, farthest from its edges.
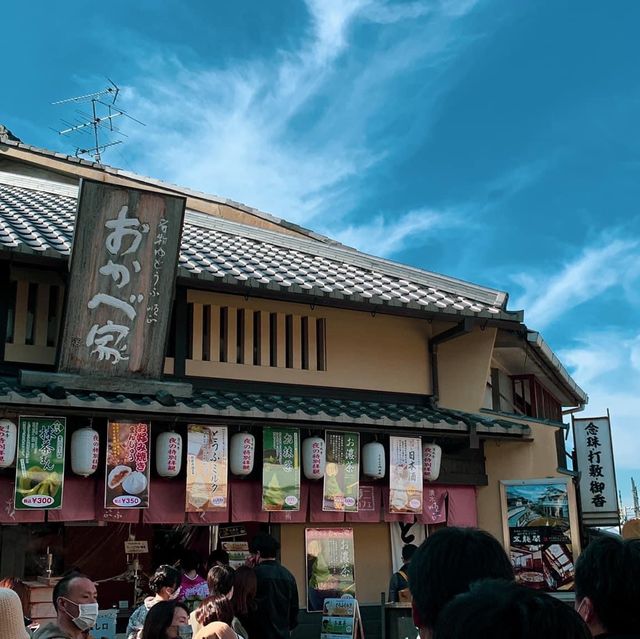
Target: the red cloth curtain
(8, 514)
(294, 516)
(315, 503)
(462, 507)
(166, 502)
(78, 500)
(246, 502)
(434, 505)
(115, 515)
(369, 505)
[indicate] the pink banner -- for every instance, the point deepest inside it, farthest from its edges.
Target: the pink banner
(166, 502)
(79, 500)
(246, 502)
(434, 506)
(369, 505)
(462, 507)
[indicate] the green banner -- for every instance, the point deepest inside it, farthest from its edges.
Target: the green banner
(40, 463)
(342, 472)
(280, 469)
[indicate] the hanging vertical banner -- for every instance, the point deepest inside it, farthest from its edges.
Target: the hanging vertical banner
(402, 534)
(127, 473)
(330, 565)
(280, 469)
(342, 472)
(405, 475)
(594, 457)
(207, 468)
(40, 463)
(539, 534)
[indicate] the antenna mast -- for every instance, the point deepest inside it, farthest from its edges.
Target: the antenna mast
(634, 493)
(98, 121)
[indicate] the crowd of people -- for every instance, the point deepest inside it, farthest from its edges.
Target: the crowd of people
(460, 583)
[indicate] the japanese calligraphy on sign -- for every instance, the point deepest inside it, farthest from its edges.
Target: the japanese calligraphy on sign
(405, 475)
(127, 473)
(207, 468)
(342, 472)
(123, 267)
(40, 463)
(594, 456)
(280, 469)
(539, 534)
(330, 565)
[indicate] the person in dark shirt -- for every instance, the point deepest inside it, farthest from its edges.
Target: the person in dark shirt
(277, 592)
(399, 584)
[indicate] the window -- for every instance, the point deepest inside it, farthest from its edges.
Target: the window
(531, 398)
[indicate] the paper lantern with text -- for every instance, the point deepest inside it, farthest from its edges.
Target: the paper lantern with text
(431, 459)
(8, 441)
(242, 450)
(168, 454)
(374, 460)
(85, 449)
(314, 457)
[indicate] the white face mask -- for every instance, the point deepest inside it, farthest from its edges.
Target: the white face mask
(175, 594)
(87, 615)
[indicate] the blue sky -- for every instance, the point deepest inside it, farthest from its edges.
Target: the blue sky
(494, 141)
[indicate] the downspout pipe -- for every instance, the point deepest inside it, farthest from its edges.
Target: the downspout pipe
(463, 328)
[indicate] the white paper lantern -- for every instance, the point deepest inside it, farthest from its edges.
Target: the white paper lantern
(168, 454)
(242, 450)
(8, 441)
(374, 460)
(85, 449)
(314, 457)
(431, 458)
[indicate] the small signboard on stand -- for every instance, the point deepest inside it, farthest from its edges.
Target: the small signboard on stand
(341, 619)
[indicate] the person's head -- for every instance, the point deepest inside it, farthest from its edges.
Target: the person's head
(245, 585)
(264, 546)
(11, 617)
(75, 599)
(219, 557)
(165, 582)
(164, 619)
(214, 608)
(499, 609)
(446, 564)
(220, 580)
(190, 561)
(17, 585)
(607, 585)
(408, 550)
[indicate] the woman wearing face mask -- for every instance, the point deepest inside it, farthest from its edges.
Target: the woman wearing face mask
(165, 586)
(164, 621)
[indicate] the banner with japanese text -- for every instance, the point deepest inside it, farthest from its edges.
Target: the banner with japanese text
(594, 459)
(330, 565)
(207, 468)
(127, 472)
(405, 475)
(342, 472)
(122, 278)
(280, 469)
(40, 463)
(539, 535)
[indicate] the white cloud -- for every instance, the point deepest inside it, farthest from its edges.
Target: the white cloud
(597, 269)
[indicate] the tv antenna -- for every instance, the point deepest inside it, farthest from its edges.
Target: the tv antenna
(98, 122)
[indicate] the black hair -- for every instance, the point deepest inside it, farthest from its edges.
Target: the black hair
(218, 556)
(159, 618)
(607, 572)
(220, 580)
(61, 589)
(190, 560)
(499, 609)
(408, 551)
(165, 576)
(265, 544)
(447, 563)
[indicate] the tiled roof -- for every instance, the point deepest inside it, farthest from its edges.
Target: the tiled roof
(35, 221)
(250, 405)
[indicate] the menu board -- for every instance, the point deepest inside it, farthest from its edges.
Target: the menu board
(127, 473)
(405, 475)
(40, 463)
(538, 532)
(342, 472)
(238, 552)
(280, 469)
(339, 619)
(330, 565)
(207, 468)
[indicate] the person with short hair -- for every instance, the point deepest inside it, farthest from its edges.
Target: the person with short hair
(446, 564)
(499, 609)
(607, 585)
(164, 619)
(75, 599)
(220, 583)
(277, 591)
(165, 586)
(399, 584)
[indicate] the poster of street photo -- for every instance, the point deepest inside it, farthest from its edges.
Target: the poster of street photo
(539, 533)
